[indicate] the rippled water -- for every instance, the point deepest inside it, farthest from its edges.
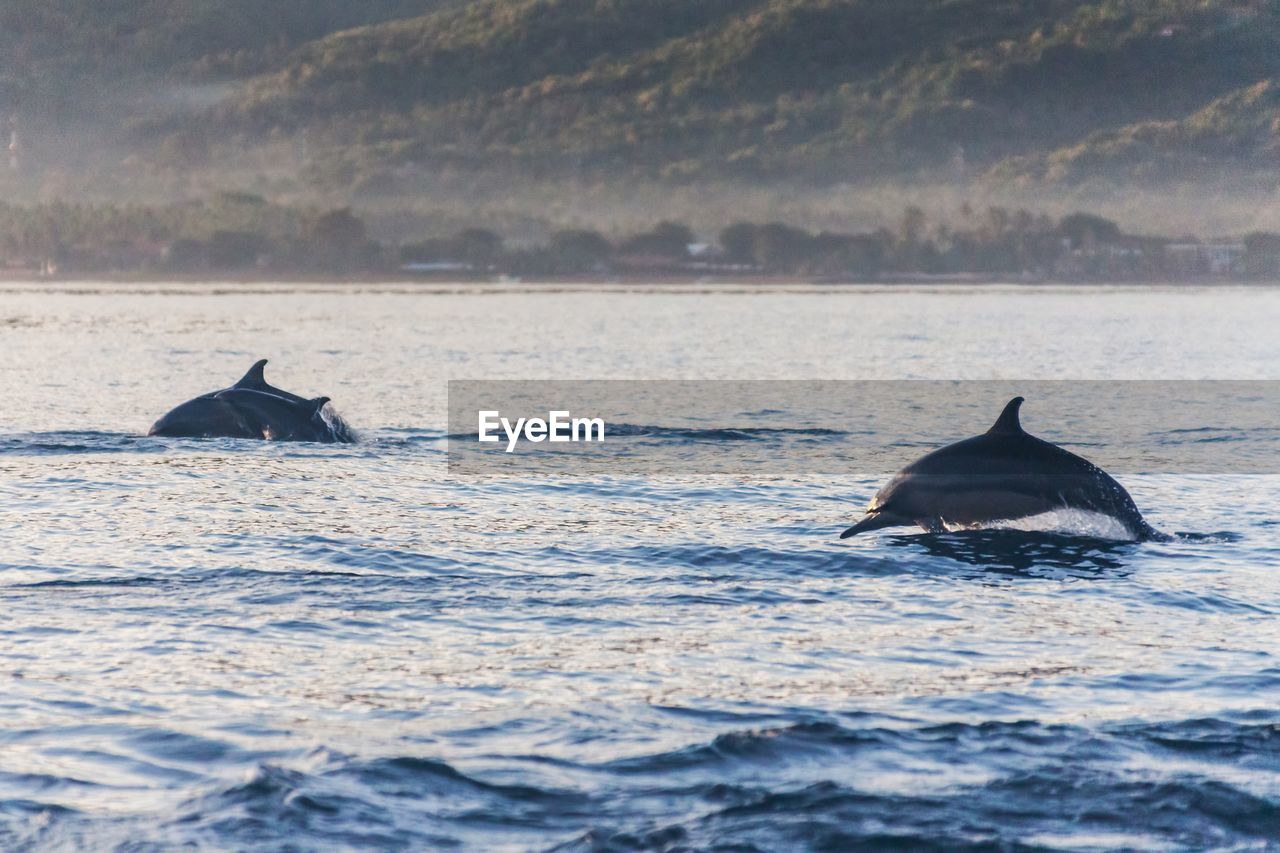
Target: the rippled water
(236, 644)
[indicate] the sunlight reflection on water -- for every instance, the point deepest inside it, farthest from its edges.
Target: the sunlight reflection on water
(233, 643)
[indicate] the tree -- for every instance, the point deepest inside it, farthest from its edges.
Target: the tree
(336, 231)
(738, 242)
(338, 241)
(914, 250)
(911, 229)
(479, 247)
(666, 239)
(579, 250)
(781, 248)
(234, 250)
(1086, 229)
(1262, 254)
(187, 254)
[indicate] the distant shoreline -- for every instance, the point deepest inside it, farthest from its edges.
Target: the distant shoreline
(624, 280)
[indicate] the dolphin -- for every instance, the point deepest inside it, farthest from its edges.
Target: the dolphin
(1002, 475)
(252, 408)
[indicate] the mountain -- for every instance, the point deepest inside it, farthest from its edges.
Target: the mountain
(63, 52)
(1240, 129)
(385, 96)
(794, 89)
(77, 76)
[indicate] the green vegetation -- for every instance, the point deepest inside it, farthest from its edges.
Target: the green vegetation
(546, 137)
(1241, 129)
(813, 90)
(243, 235)
(394, 99)
(232, 232)
(63, 52)
(98, 90)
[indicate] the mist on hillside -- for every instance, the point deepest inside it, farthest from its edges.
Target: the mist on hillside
(528, 116)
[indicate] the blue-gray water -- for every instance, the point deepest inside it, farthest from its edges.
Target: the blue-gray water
(230, 644)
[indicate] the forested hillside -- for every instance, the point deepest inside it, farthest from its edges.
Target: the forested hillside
(379, 96)
(791, 89)
(69, 52)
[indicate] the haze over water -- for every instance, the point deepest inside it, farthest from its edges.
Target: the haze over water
(229, 643)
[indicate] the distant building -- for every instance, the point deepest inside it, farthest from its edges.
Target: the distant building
(1193, 258)
(1121, 257)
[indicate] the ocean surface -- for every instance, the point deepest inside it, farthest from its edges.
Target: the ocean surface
(250, 645)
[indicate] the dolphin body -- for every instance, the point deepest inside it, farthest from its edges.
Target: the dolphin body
(1002, 475)
(253, 409)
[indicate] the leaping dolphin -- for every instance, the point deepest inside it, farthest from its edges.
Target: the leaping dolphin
(1002, 475)
(254, 409)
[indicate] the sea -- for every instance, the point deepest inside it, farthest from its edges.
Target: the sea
(228, 644)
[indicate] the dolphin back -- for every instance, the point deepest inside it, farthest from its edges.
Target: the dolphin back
(285, 419)
(204, 417)
(1004, 474)
(252, 408)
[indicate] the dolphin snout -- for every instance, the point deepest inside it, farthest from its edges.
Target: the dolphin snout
(876, 521)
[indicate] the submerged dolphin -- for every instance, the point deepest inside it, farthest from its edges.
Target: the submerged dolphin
(253, 409)
(1002, 475)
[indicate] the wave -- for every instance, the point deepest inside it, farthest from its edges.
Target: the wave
(990, 550)
(828, 784)
(714, 434)
(699, 434)
(648, 448)
(907, 787)
(76, 442)
(353, 444)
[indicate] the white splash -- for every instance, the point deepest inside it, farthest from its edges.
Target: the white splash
(1071, 522)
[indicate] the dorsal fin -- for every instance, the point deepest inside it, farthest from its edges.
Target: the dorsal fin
(1008, 423)
(254, 378)
(318, 403)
